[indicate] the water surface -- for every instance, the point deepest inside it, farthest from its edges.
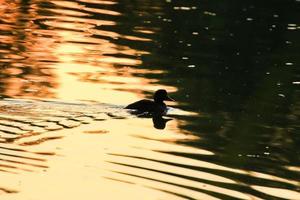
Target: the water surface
(68, 68)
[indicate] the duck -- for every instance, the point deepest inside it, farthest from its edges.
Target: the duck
(155, 106)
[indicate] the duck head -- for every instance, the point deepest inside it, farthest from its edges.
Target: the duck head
(161, 95)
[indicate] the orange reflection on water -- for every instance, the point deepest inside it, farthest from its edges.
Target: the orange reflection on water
(277, 192)
(88, 64)
(293, 168)
(25, 73)
(87, 160)
(9, 11)
(103, 86)
(100, 2)
(73, 57)
(71, 41)
(127, 156)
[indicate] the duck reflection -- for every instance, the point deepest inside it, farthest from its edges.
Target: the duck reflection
(155, 109)
(159, 122)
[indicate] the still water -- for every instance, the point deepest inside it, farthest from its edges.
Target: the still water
(69, 67)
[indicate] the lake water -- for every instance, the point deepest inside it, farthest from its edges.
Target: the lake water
(69, 67)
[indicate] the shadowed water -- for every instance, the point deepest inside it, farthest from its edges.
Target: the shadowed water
(69, 67)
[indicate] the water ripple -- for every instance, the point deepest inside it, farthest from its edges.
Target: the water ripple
(114, 51)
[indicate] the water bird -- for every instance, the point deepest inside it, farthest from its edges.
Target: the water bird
(156, 107)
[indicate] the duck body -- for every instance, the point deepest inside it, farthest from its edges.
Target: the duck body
(150, 106)
(154, 107)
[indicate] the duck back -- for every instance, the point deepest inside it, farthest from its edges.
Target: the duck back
(147, 106)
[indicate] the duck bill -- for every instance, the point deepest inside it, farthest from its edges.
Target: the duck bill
(169, 99)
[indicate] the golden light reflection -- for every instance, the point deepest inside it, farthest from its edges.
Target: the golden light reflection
(73, 41)
(24, 73)
(293, 168)
(84, 169)
(277, 192)
(273, 178)
(105, 81)
(65, 21)
(144, 30)
(100, 2)
(77, 78)
(9, 11)
(69, 5)
(68, 14)
(72, 55)
(120, 153)
(119, 159)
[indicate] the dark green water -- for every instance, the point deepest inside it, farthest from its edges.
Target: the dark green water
(233, 62)
(236, 62)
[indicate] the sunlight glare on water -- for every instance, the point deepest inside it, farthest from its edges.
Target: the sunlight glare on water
(69, 67)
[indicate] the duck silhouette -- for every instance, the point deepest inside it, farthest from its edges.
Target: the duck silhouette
(159, 122)
(155, 107)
